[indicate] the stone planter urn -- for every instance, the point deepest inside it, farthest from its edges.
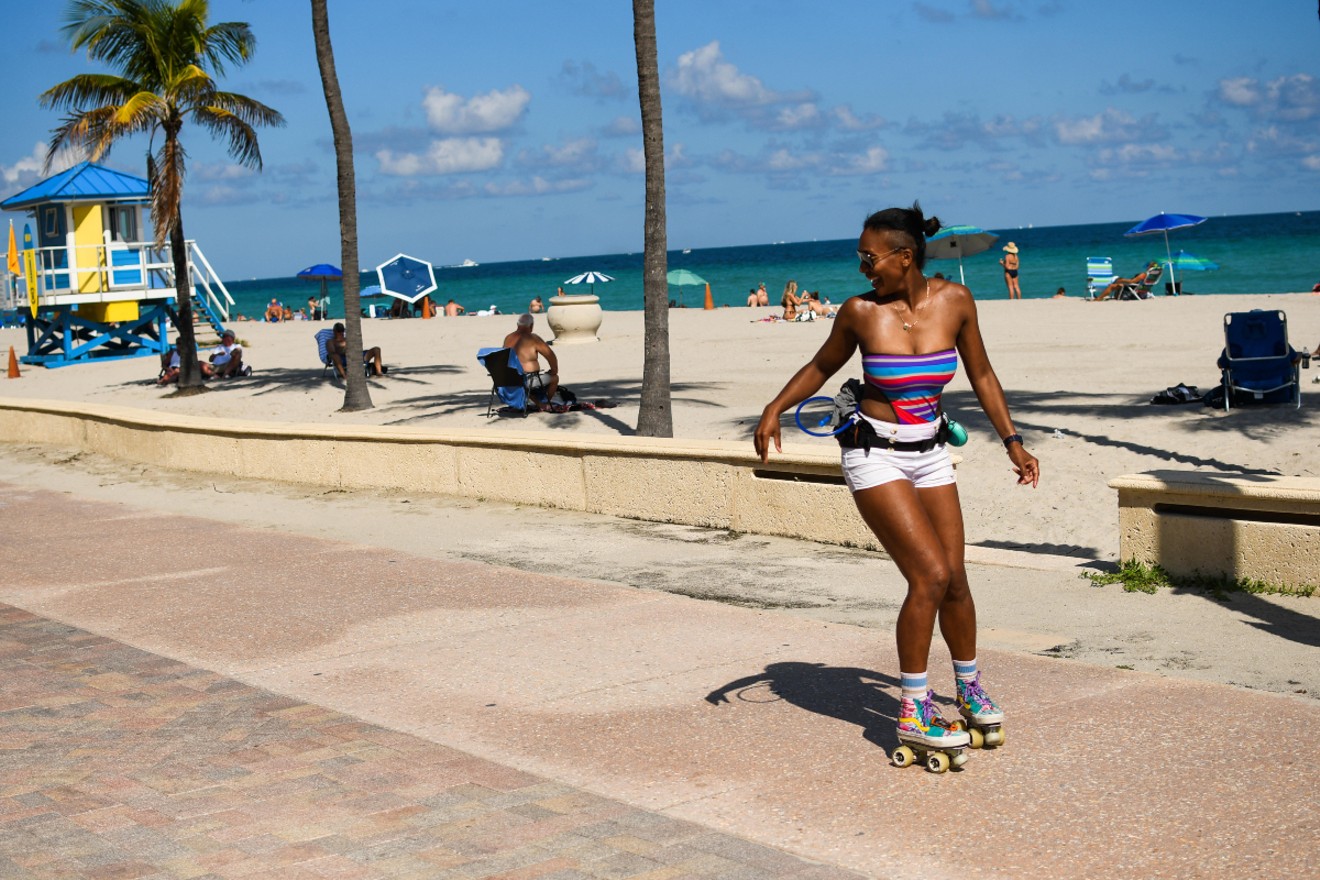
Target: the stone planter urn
(575, 317)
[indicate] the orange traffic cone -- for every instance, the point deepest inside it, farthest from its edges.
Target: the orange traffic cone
(427, 310)
(13, 364)
(710, 303)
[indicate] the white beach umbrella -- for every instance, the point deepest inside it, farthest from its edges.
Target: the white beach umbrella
(589, 278)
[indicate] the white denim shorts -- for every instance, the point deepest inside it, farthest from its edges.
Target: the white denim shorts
(866, 468)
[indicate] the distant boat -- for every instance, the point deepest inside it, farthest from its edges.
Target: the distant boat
(545, 259)
(467, 264)
(687, 250)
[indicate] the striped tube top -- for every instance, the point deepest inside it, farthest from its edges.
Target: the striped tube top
(912, 383)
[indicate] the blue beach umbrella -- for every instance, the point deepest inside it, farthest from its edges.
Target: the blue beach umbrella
(959, 242)
(1164, 223)
(406, 278)
(322, 272)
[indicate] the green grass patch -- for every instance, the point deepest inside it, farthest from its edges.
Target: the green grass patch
(1140, 577)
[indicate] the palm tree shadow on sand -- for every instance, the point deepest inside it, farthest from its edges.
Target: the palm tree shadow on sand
(859, 696)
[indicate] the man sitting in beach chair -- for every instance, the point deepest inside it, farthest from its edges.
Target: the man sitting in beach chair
(529, 349)
(334, 353)
(227, 358)
(1136, 287)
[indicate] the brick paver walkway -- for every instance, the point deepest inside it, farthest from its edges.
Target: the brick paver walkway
(117, 763)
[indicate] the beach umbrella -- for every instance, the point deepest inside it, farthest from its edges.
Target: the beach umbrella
(1165, 223)
(958, 242)
(681, 278)
(322, 272)
(589, 278)
(370, 290)
(406, 278)
(1191, 262)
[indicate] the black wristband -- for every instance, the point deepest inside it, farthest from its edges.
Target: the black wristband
(1011, 439)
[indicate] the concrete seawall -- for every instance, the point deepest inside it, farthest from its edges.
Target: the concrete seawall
(716, 484)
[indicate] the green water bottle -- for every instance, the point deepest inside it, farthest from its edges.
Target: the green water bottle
(957, 433)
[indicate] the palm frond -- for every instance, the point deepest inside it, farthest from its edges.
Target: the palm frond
(250, 110)
(169, 168)
(228, 42)
(242, 137)
(86, 89)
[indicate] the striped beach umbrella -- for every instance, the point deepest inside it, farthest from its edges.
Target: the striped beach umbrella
(589, 278)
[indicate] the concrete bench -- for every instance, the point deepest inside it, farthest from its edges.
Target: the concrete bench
(1254, 526)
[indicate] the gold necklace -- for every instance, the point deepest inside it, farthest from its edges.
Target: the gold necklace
(916, 318)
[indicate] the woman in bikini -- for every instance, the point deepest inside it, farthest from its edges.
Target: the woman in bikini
(911, 331)
(1010, 263)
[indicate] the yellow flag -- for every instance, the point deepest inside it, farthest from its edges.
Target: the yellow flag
(14, 268)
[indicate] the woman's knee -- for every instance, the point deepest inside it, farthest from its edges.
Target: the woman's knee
(931, 584)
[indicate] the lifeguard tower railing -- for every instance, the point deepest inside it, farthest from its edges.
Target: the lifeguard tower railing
(125, 271)
(81, 278)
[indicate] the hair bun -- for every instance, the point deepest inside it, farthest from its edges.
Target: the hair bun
(932, 226)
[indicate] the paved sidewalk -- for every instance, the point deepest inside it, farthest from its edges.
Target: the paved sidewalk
(118, 763)
(482, 702)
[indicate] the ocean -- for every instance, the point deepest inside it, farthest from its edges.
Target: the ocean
(1258, 253)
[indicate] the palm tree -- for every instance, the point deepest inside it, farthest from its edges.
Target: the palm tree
(166, 57)
(655, 417)
(357, 396)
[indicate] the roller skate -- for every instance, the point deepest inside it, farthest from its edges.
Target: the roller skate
(924, 735)
(982, 718)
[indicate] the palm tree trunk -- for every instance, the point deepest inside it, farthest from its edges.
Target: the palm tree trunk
(655, 416)
(190, 371)
(357, 396)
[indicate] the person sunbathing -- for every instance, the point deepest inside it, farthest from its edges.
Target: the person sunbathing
(1119, 283)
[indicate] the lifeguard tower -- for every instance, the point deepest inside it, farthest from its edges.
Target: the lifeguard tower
(103, 291)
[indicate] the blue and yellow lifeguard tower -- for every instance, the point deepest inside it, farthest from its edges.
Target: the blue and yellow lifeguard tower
(104, 291)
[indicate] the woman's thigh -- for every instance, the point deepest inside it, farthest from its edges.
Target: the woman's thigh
(897, 514)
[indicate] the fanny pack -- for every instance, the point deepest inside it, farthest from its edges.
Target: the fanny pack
(861, 434)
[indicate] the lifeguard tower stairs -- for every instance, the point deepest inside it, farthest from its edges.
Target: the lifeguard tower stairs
(102, 291)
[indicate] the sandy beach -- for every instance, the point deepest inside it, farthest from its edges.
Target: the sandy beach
(1079, 377)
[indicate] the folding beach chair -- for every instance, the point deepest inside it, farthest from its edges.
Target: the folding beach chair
(323, 338)
(1141, 290)
(507, 379)
(1099, 272)
(1257, 361)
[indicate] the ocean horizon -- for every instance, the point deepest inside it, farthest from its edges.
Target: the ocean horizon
(1256, 253)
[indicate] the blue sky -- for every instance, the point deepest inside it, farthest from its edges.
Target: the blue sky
(510, 130)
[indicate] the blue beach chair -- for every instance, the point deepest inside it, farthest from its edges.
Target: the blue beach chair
(1099, 272)
(1258, 364)
(508, 379)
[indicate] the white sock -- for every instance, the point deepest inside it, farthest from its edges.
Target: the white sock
(914, 685)
(964, 670)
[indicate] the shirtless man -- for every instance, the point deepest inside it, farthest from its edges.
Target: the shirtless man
(530, 348)
(453, 309)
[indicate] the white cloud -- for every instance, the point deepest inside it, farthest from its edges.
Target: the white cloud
(28, 169)
(704, 75)
(1109, 126)
(850, 121)
(1311, 163)
(537, 186)
(798, 116)
(446, 156)
(573, 152)
(494, 111)
(873, 161)
(1240, 91)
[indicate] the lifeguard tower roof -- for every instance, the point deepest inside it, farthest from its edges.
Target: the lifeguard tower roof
(84, 182)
